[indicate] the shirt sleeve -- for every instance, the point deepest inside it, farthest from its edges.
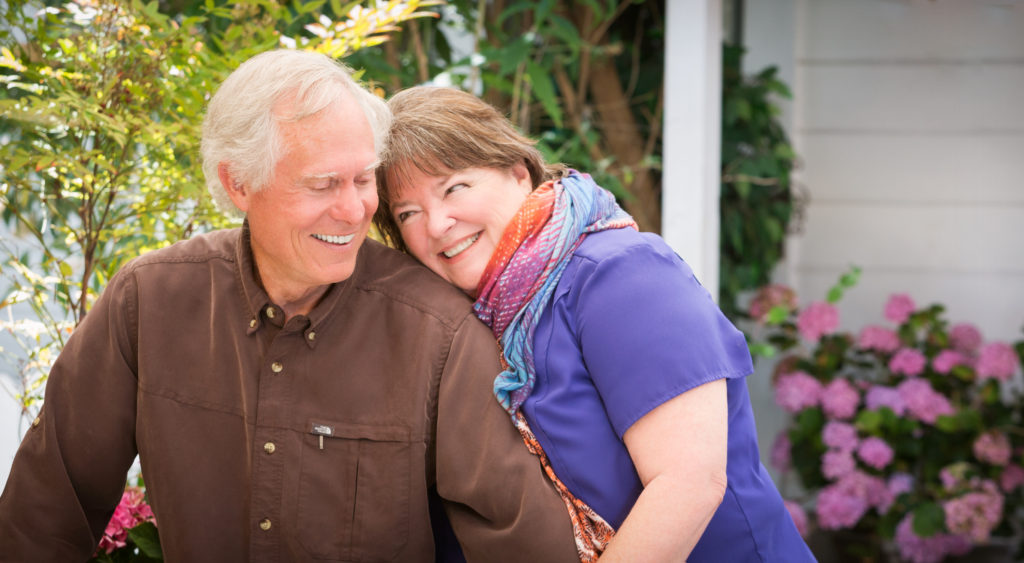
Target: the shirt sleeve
(70, 470)
(649, 331)
(497, 497)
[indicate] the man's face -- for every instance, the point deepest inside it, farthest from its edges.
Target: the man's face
(307, 225)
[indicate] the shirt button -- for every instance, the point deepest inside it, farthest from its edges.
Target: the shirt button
(276, 367)
(265, 524)
(252, 323)
(269, 447)
(36, 422)
(311, 335)
(270, 312)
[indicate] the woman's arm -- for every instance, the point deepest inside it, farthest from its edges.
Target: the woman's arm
(679, 450)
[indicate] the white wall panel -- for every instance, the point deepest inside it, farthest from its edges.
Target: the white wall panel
(931, 98)
(918, 29)
(959, 168)
(915, 238)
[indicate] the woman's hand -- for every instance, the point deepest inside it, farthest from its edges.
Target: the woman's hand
(679, 450)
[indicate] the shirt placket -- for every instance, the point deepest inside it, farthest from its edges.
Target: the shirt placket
(269, 444)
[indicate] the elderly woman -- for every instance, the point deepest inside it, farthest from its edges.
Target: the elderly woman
(622, 375)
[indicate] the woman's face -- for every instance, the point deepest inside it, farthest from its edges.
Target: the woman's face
(453, 223)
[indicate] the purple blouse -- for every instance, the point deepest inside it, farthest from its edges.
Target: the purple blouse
(630, 327)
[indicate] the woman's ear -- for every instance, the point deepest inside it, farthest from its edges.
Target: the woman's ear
(522, 176)
(236, 190)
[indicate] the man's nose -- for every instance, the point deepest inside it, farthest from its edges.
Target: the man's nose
(348, 205)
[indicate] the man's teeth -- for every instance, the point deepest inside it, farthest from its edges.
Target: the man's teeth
(457, 249)
(335, 239)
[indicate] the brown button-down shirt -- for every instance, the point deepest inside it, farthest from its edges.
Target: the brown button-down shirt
(318, 438)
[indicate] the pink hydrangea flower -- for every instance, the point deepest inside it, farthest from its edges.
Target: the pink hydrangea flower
(769, 297)
(869, 487)
(996, 360)
(837, 463)
(878, 338)
(881, 396)
(908, 361)
(875, 452)
(130, 512)
(839, 399)
(799, 516)
(899, 307)
(1012, 477)
(915, 549)
(946, 360)
(965, 338)
(816, 320)
(975, 514)
(780, 456)
(797, 391)
(840, 436)
(992, 447)
(839, 508)
(900, 483)
(923, 402)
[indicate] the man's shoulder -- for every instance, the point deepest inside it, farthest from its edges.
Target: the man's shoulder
(216, 245)
(399, 277)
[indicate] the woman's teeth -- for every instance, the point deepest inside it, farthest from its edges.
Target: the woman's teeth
(458, 248)
(335, 239)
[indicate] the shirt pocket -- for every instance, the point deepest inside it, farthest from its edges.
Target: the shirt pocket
(354, 491)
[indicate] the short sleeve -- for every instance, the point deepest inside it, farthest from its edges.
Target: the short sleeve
(648, 330)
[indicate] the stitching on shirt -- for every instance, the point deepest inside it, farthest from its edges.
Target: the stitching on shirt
(190, 402)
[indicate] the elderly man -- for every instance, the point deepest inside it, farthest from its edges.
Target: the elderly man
(294, 391)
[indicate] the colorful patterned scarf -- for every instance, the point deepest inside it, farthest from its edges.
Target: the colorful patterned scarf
(517, 285)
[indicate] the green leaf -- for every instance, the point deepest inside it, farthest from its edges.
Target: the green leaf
(929, 519)
(542, 88)
(146, 537)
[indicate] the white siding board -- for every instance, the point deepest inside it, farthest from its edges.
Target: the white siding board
(921, 29)
(927, 98)
(957, 169)
(912, 238)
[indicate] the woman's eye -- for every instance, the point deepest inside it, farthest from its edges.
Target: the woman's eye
(401, 217)
(455, 188)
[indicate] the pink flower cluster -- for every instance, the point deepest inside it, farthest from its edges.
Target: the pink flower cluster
(899, 307)
(946, 360)
(769, 297)
(780, 456)
(1012, 477)
(878, 338)
(996, 360)
(816, 320)
(933, 549)
(908, 361)
(839, 399)
(130, 512)
(797, 391)
(976, 513)
(840, 436)
(879, 396)
(965, 337)
(923, 402)
(992, 447)
(875, 452)
(843, 503)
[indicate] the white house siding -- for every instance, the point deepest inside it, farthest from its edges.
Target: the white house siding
(908, 117)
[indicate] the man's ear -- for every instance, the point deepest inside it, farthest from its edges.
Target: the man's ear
(237, 191)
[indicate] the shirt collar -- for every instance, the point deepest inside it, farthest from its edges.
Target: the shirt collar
(262, 310)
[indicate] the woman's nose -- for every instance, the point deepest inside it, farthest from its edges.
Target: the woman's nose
(438, 223)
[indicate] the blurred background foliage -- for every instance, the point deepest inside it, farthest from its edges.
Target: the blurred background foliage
(103, 102)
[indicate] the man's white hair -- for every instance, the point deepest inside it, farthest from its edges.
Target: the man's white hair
(241, 125)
